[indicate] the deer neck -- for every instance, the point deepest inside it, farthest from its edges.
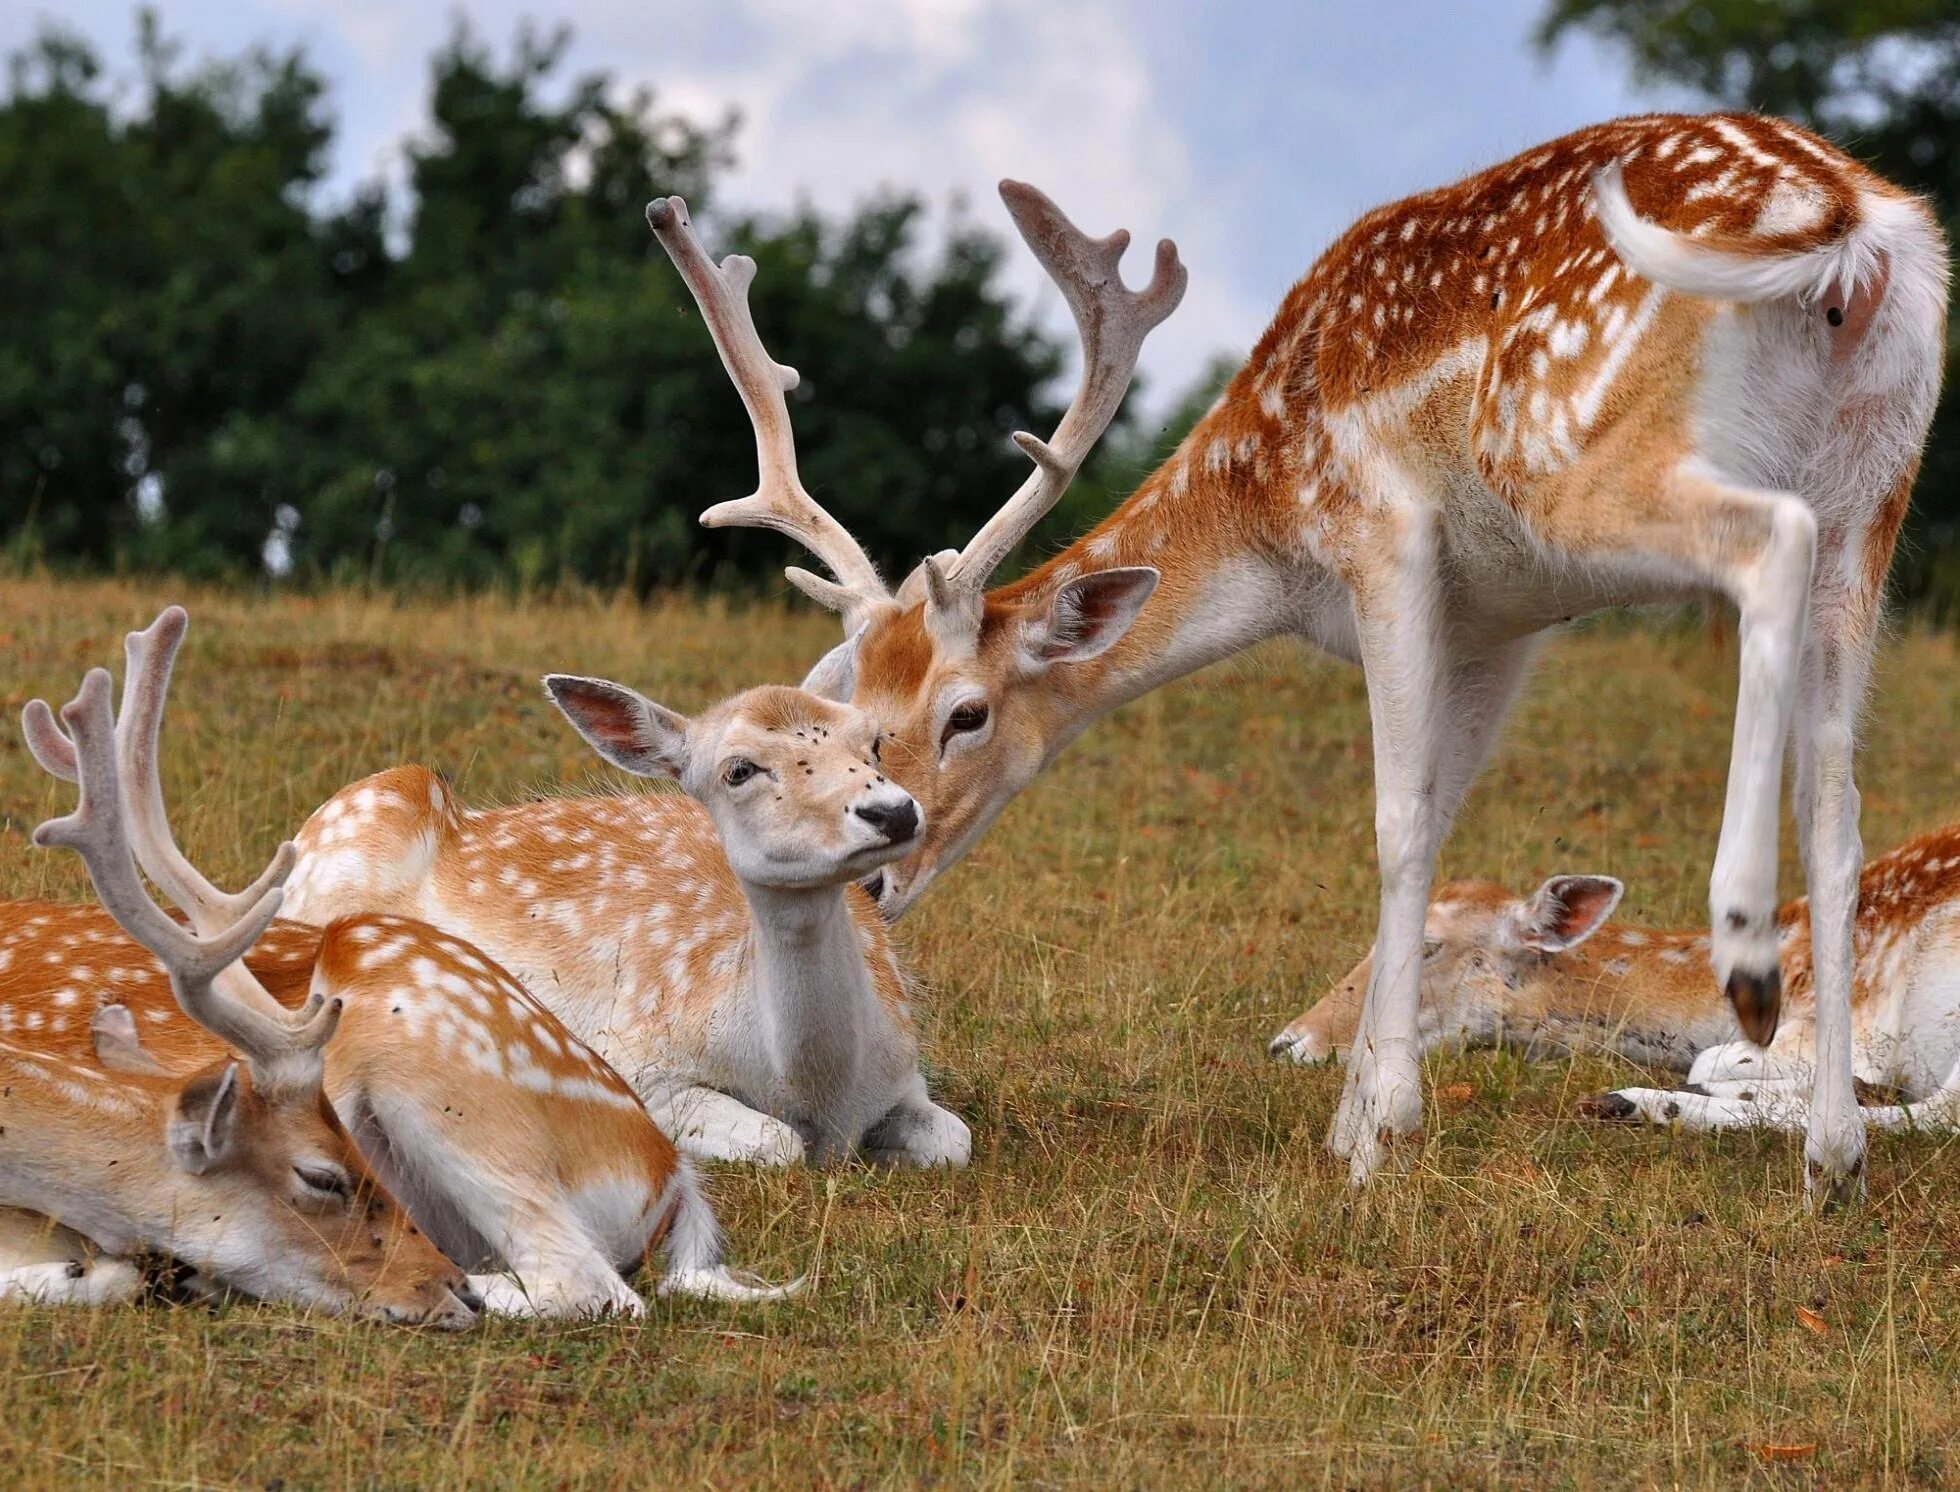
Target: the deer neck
(815, 994)
(1202, 520)
(99, 1173)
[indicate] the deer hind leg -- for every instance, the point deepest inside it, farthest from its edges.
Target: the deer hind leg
(1771, 591)
(553, 1268)
(1757, 548)
(372, 846)
(489, 1205)
(1399, 623)
(1836, 670)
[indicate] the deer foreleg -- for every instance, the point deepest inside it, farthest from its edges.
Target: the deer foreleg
(1399, 623)
(43, 1262)
(918, 1132)
(1480, 693)
(710, 1125)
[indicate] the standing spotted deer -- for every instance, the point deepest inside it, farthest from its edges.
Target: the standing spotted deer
(1550, 974)
(513, 1145)
(1664, 357)
(711, 946)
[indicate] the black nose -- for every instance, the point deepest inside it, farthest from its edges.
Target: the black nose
(896, 821)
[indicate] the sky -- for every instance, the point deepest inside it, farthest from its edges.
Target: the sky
(1250, 133)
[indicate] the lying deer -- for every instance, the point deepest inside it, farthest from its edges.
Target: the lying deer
(238, 1168)
(711, 946)
(1661, 358)
(1549, 973)
(511, 1142)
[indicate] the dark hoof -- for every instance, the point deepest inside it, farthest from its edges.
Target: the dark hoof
(1608, 1106)
(1758, 1001)
(1829, 1193)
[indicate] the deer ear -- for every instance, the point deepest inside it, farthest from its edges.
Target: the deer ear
(204, 1121)
(626, 729)
(117, 1046)
(1090, 614)
(835, 674)
(1567, 910)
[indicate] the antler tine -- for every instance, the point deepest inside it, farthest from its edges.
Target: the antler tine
(200, 967)
(779, 501)
(46, 742)
(152, 655)
(1112, 322)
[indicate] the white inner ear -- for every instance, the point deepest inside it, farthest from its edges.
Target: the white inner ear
(1541, 921)
(117, 1046)
(201, 1138)
(623, 726)
(1073, 633)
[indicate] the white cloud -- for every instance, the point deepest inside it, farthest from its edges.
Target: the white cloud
(1250, 134)
(945, 97)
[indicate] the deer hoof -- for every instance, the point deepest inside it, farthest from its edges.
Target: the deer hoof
(1616, 1107)
(1827, 1190)
(1757, 1000)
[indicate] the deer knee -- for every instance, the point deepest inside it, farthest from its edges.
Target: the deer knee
(1404, 835)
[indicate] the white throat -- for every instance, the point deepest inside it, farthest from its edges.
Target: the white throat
(818, 1004)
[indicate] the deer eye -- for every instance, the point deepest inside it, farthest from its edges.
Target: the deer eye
(1431, 947)
(328, 1183)
(965, 719)
(739, 771)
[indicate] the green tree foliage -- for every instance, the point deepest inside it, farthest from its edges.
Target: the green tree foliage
(1882, 78)
(498, 375)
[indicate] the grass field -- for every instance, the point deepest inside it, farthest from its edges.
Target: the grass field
(1152, 1274)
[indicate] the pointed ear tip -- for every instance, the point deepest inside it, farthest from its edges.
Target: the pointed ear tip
(564, 686)
(1610, 884)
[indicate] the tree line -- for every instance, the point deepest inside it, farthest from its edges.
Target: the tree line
(490, 375)
(496, 376)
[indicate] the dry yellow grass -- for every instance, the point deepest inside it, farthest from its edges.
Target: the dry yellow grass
(1152, 1273)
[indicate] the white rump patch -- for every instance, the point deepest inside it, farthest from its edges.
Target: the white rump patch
(1792, 207)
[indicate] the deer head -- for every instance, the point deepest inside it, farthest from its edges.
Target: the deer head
(1489, 959)
(264, 1189)
(793, 782)
(969, 689)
